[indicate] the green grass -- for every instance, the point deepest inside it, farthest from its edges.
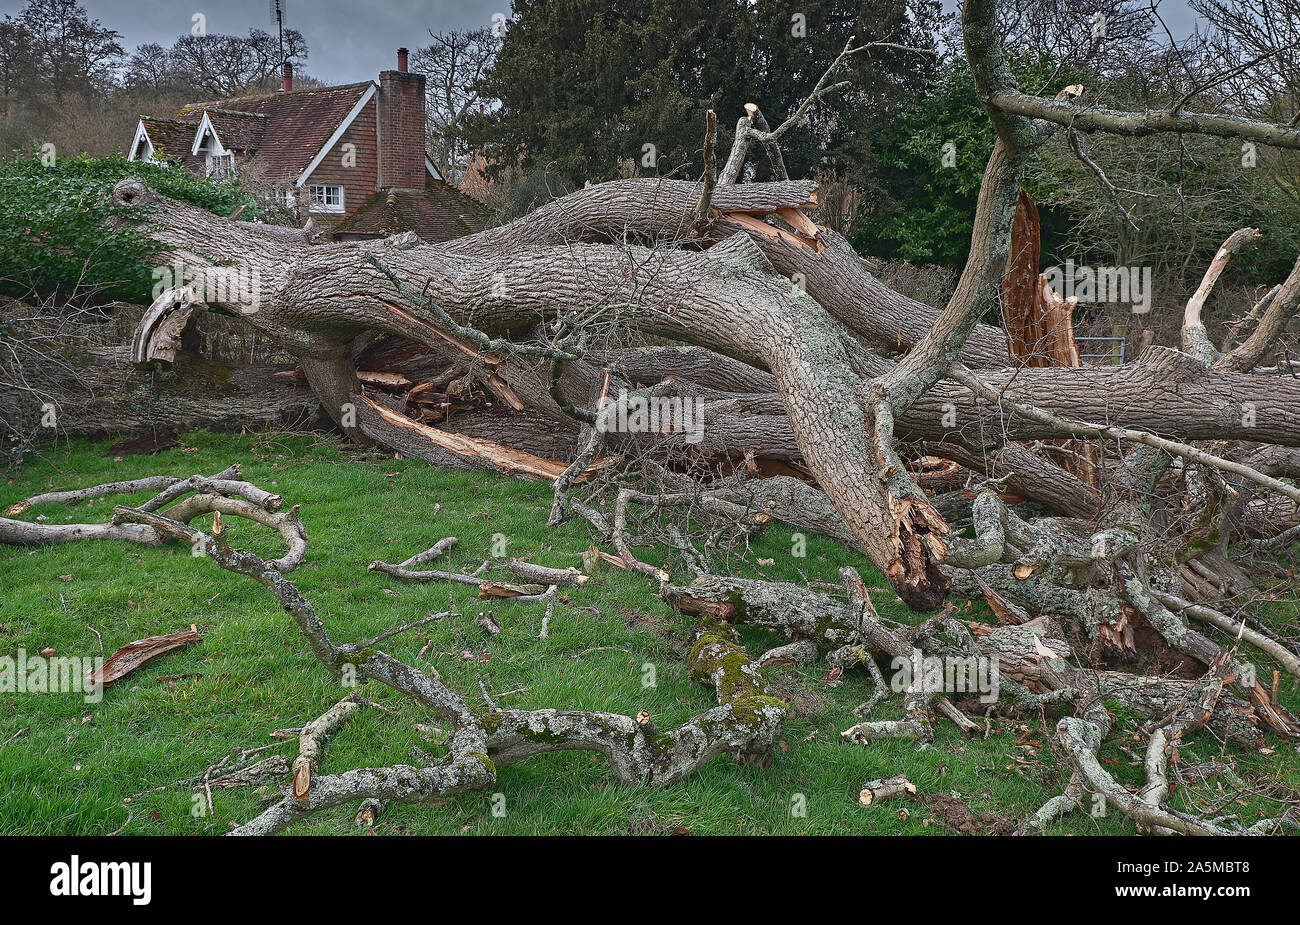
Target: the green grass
(70, 769)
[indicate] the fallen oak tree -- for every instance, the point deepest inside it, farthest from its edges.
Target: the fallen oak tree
(820, 353)
(839, 378)
(825, 427)
(728, 298)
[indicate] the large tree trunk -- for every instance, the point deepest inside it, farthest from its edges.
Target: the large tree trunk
(823, 343)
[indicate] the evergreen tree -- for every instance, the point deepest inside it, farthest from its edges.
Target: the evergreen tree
(594, 89)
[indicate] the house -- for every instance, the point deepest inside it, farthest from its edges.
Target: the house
(351, 157)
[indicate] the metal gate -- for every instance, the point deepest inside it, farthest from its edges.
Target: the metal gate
(1103, 351)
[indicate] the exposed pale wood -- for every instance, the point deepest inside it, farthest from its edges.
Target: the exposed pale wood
(503, 391)
(563, 577)
(1195, 339)
(310, 742)
(489, 589)
(512, 462)
(752, 222)
(800, 222)
(394, 382)
(877, 791)
(133, 655)
(419, 391)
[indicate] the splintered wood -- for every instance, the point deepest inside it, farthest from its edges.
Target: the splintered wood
(508, 589)
(805, 233)
(512, 462)
(312, 739)
(421, 441)
(391, 382)
(1040, 327)
(135, 654)
(756, 224)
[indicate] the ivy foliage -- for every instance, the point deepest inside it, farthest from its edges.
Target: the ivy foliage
(62, 238)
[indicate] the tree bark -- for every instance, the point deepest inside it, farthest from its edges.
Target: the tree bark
(813, 336)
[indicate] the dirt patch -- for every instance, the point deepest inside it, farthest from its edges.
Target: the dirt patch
(644, 621)
(146, 443)
(1148, 653)
(647, 825)
(805, 702)
(1167, 661)
(956, 816)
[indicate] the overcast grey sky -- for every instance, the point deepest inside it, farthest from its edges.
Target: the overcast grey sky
(350, 40)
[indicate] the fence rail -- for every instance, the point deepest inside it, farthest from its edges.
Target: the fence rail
(1113, 356)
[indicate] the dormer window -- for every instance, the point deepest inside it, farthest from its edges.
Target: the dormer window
(141, 146)
(221, 166)
(326, 198)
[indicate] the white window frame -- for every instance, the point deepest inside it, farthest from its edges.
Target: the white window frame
(221, 164)
(141, 137)
(322, 204)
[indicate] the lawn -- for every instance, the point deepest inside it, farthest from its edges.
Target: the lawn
(66, 766)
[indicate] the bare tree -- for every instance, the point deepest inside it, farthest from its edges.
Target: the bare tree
(16, 67)
(150, 68)
(226, 65)
(68, 51)
(1258, 46)
(1106, 36)
(454, 64)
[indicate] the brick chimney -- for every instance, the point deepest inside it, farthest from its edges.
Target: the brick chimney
(288, 77)
(401, 127)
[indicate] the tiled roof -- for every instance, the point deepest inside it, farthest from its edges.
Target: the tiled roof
(288, 130)
(437, 213)
(171, 138)
(475, 182)
(238, 131)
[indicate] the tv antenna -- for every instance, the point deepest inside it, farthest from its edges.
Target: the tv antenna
(277, 14)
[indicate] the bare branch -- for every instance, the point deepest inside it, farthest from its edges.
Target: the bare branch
(1195, 339)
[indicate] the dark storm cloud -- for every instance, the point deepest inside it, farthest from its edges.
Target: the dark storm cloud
(350, 40)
